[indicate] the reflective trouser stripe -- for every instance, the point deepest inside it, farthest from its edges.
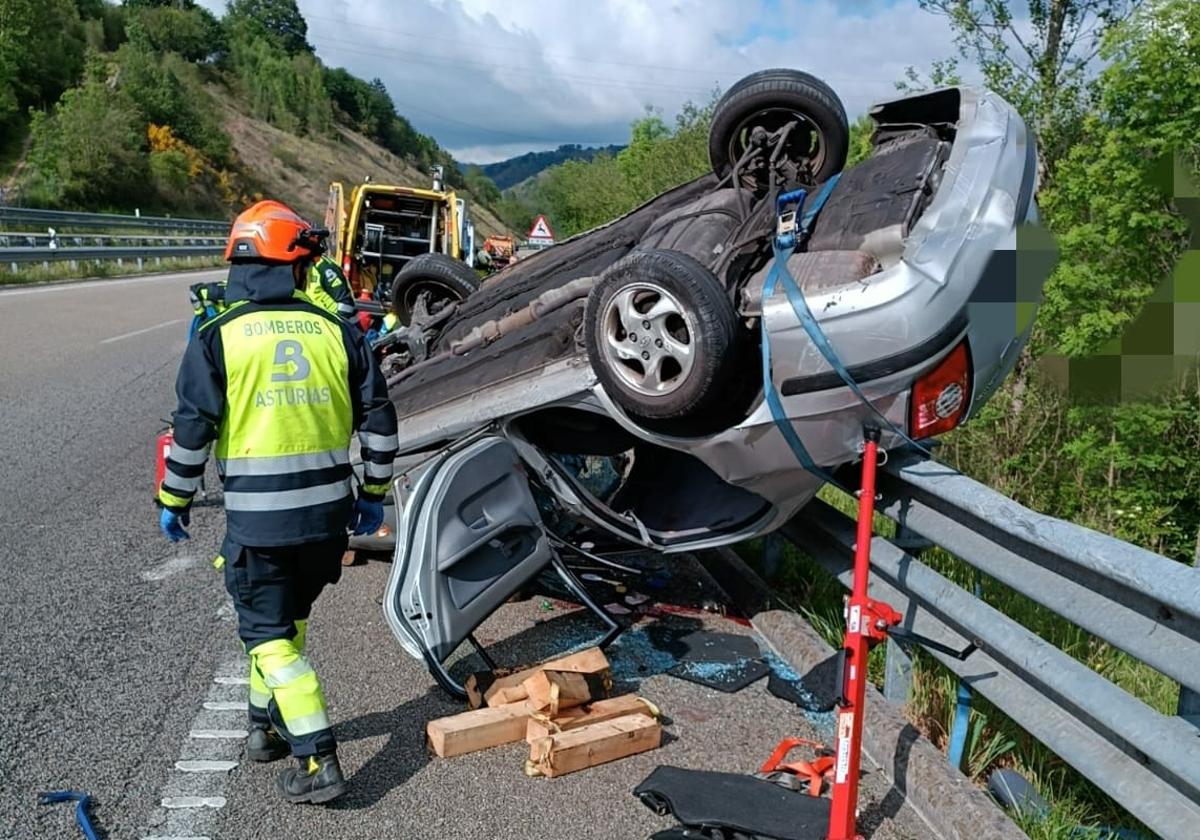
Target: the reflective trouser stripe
(380, 443)
(294, 686)
(269, 500)
(188, 457)
(283, 675)
(307, 724)
(184, 483)
(260, 692)
(376, 489)
(377, 472)
(283, 464)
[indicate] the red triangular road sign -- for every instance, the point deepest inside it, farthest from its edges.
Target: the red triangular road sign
(541, 230)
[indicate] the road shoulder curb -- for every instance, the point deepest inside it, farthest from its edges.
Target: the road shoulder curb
(945, 800)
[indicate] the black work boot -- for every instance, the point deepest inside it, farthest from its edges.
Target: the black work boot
(317, 779)
(265, 744)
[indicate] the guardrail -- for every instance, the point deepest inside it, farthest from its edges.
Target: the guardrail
(64, 219)
(18, 239)
(1140, 602)
(15, 257)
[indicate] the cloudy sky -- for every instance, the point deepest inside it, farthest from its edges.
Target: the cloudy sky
(493, 78)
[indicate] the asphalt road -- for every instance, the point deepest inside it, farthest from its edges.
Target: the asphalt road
(117, 650)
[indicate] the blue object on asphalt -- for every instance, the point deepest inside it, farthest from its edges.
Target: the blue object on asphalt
(84, 802)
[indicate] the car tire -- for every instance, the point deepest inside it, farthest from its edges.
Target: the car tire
(442, 278)
(685, 362)
(770, 98)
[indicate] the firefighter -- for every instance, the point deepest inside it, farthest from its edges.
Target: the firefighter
(326, 286)
(277, 385)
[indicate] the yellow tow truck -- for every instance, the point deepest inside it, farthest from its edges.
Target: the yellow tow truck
(403, 245)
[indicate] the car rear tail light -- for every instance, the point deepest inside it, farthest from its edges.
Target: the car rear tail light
(941, 397)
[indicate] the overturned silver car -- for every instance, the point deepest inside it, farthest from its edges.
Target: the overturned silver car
(614, 384)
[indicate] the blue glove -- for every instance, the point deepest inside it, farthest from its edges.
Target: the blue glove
(372, 336)
(367, 517)
(172, 524)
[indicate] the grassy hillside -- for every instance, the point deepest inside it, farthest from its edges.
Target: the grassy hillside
(298, 170)
(158, 105)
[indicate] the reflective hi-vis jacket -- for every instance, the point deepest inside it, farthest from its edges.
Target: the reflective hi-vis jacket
(277, 386)
(327, 287)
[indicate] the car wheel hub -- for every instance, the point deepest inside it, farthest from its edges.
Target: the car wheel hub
(648, 339)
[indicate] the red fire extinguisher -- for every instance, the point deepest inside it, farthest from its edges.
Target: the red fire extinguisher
(162, 451)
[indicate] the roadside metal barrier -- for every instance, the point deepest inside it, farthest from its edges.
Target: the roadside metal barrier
(28, 216)
(15, 257)
(11, 239)
(1140, 602)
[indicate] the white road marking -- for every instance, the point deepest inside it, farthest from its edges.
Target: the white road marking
(188, 806)
(168, 567)
(193, 802)
(218, 734)
(88, 284)
(124, 336)
(205, 766)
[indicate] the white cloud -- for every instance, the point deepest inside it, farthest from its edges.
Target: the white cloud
(488, 78)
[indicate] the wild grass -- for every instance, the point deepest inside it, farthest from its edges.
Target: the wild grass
(37, 273)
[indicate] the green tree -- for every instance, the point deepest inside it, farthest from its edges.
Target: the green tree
(659, 157)
(279, 21)
(1110, 202)
(184, 28)
(286, 90)
(89, 151)
(41, 53)
(481, 186)
(161, 89)
(1038, 54)
(169, 170)
(861, 132)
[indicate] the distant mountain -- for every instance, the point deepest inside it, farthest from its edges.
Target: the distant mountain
(507, 173)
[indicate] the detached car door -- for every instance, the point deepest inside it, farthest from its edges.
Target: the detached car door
(468, 536)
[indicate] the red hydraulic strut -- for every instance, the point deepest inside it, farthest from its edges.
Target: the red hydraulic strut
(867, 624)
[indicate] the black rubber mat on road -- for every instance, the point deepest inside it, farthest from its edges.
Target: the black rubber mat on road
(725, 661)
(700, 798)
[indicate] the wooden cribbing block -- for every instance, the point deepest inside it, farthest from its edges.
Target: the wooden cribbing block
(501, 687)
(543, 726)
(551, 690)
(588, 746)
(478, 729)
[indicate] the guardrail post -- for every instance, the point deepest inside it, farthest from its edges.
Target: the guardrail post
(897, 674)
(140, 261)
(1189, 701)
(959, 729)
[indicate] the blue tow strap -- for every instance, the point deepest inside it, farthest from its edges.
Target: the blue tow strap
(82, 803)
(779, 274)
